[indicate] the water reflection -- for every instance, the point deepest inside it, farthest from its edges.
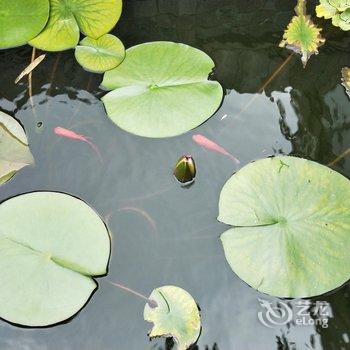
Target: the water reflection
(303, 112)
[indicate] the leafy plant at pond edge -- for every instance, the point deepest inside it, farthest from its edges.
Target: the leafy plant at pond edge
(346, 79)
(14, 151)
(161, 89)
(70, 17)
(176, 315)
(51, 246)
(100, 55)
(291, 226)
(21, 21)
(337, 10)
(301, 35)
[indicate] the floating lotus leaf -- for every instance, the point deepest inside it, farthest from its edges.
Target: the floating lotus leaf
(100, 55)
(51, 245)
(14, 150)
(161, 89)
(176, 316)
(346, 79)
(21, 20)
(301, 35)
(292, 226)
(338, 10)
(70, 17)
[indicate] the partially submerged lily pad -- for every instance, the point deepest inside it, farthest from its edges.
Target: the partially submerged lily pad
(176, 315)
(346, 79)
(14, 151)
(292, 222)
(337, 10)
(70, 17)
(301, 35)
(21, 20)
(51, 245)
(100, 55)
(161, 89)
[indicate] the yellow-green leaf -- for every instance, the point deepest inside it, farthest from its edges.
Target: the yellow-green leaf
(301, 35)
(337, 10)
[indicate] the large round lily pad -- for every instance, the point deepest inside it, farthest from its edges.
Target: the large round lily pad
(14, 150)
(100, 55)
(175, 315)
(21, 20)
(51, 245)
(70, 17)
(161, 89)
(292, 226)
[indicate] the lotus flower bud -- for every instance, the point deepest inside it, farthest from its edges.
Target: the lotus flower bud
(185, 169)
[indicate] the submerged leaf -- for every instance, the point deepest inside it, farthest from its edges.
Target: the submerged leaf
(14, 150)
(301, 35)
(161, 89)
(176, 315)
(21, 20)
(70, 17)
(51, 245)
(338, 10)
(346, 79)
(291, 226)
(100, 55)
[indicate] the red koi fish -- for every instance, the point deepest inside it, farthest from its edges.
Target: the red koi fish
(212, 146)
(74, 136)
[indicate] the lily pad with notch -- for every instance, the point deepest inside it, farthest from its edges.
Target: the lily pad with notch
(176, 315)
(70, 17)
(21, 21)
(14, 151)
(100, 55)
(52, 245)
(291, 219)
(161, 90)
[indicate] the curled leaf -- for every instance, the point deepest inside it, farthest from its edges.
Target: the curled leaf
(176, 315)
(185, 169)
(14, 150)
(30, 68)
(301, 35)
(346, 79)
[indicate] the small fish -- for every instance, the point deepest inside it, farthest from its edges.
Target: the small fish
(30, 68)
(212, 146)
(74, 136)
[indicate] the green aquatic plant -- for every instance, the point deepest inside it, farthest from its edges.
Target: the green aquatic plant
(14, 151)
(291, 221)
(337, 10)
(70, 17)
(51, 246)
(346, 79)
(21, 21)
(301, 35)
(100, 55)
(185, 169)
(161, 89)
(175, 315)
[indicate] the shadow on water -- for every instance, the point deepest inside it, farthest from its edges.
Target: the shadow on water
(304, 112)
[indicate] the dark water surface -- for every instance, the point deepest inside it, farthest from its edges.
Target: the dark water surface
(302, 112)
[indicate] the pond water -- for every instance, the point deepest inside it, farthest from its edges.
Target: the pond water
(162, 233)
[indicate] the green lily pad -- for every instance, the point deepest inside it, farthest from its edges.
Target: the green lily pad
(337, 10)
(21, 20)
(346, 79)
(301, 35)
(342, 20)
(176, 315)
(70, 17)
(100, 55)
(51, 245)
(14, 151)
(292, 223)
(161, 89)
